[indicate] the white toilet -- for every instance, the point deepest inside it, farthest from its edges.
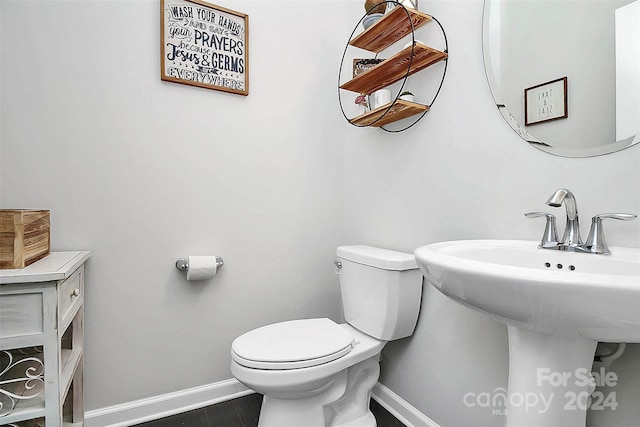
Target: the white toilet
(317, 373)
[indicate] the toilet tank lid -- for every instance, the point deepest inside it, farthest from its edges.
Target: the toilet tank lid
(376, 257)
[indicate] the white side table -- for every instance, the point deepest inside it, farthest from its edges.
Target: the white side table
(41, 342)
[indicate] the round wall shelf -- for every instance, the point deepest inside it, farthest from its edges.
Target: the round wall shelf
(397, 23)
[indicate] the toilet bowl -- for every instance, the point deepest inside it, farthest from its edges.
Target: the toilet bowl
(317, 373)
(297, 397)
(305, 380)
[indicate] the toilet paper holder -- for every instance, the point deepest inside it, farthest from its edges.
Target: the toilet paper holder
(183, 265)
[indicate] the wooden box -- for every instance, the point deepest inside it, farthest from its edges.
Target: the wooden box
(24, 237)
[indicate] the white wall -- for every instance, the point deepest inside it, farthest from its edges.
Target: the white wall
(463, 173)
(142, 172)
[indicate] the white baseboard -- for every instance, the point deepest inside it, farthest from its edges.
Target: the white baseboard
(165, 405)
(400, 408)
(152, 408)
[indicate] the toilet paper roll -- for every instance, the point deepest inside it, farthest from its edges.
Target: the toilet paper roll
(201, 267)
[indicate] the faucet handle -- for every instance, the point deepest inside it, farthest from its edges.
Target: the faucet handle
(595, 242)
(550, 236)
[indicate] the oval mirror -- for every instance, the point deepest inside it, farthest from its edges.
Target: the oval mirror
(565, 74)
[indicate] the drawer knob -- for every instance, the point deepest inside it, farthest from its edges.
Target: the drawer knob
(76, 292)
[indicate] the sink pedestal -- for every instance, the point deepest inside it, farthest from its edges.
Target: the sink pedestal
(550, 300)
(549, 379)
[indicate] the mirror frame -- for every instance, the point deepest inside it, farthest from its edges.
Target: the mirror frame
(600, 150)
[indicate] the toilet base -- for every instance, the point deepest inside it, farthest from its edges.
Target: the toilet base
(352, 409)
(342, 403)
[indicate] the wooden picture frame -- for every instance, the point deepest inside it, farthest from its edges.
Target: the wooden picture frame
(204, 45)
(546, 102)
(363, 65)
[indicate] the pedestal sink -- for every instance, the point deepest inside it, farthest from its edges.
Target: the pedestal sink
(557, 306)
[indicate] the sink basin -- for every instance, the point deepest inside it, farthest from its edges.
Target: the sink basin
(557, 306)
(556, 292)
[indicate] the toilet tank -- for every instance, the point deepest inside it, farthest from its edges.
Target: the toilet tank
(381, 291)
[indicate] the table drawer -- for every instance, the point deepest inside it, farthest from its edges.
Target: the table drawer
(21, 314)
(70, 296)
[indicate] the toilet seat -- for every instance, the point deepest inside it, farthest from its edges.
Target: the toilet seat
(293, 344)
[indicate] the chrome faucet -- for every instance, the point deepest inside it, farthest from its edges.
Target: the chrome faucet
(571, 236)
(550, 235)
(595, 242)
(571, 240)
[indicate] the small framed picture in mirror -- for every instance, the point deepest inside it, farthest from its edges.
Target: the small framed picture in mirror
(545, 102)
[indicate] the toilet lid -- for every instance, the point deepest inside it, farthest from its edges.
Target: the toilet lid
(292, 345)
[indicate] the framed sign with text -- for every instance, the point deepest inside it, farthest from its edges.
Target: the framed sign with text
(546, 101)
(204, 45)
(363, 65)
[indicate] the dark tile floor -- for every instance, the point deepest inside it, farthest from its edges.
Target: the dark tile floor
(243, 412)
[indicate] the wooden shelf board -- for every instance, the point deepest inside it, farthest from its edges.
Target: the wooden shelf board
(71, 360)
(26, 410)
(389, 29)
(55, 266)
(400, 110)
(21, 341)
(394, 69)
